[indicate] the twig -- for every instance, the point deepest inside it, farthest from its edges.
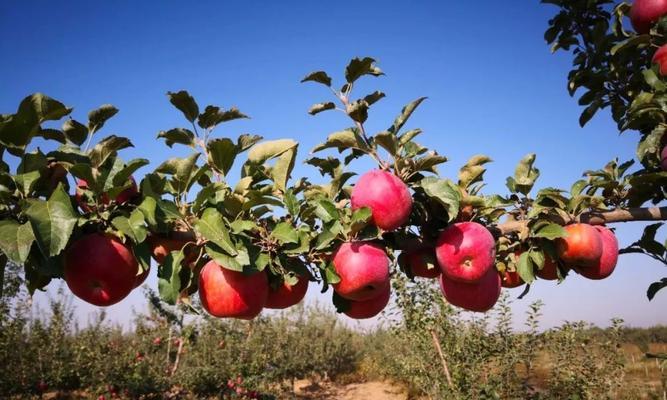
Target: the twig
(436, 342)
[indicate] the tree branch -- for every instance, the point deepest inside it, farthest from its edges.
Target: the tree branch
(599, 218)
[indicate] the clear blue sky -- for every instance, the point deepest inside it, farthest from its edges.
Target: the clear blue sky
(493, 88)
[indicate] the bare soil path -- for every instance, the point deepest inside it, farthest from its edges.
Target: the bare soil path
(306, 390)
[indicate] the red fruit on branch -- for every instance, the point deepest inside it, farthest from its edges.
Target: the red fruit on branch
(122, 198)
(549, 270)
(422, 263)
(386, 195)
(100, 269)
(607, 262)
(286, 296)
(371, 307)
(581, 247)
(511, 279)
(660, 58)
(663, 158)
(141, 278)
(161, 246)
(230, 294)
(363, 268)
(465, 251)
(479, 296)
(645, 13)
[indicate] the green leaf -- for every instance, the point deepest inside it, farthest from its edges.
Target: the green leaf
(221, 154)
(169, 277)
(234, 263)
(178, 135)
(246, 141)
(242, 225)
(473, 170)
(445, 192)
(550, 231)
(291, 203)
(388, 141)
(107, 148)
(75, 131)
(319, 107)
(264, 151)
(342, 140)
(52, 134)
(373, 97)
(282, 169)
(537, 257)
(525, 268)
(326, 210)
(655, 287)
(185, 103)
(98, 117)
(213, 116)
(121, 177)
(52, 221)
(358, 111)
(319, 77)
(359, 67)
(182, 170)
(16, 240)
(211, 226)
(331, 276)
(406, 112)
(525, 174)
(133, 227)
(360, 219)
(284, 232)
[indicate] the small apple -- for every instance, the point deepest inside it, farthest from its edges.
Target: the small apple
(479, 296)
(511, 279)
(371, 307)
(607, 262)
(581, 247)
(363, 268)
(465, 251)
(422, 263)
(230, 294)
(286, 296)
(549, 270)
(161, 246)
(386, 195)
(122, 198)
(100, 269)
(660, 58)
(645, 13)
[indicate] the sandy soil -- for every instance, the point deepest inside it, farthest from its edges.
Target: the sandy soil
(306, 390)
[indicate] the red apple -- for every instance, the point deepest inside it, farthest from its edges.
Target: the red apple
(660, 58)
(663, 158)
(645, 13)
(479, 296)
(581, 247)
(511, 279)
(122, 198)
(141, 278)
(465, 251)
(607, 262)
(549, 270)
(371, 307)
(286, 296)
(386, 195)
(230, 294)
(422, 263)
(161, 246)
(100, 269)
(363, 268)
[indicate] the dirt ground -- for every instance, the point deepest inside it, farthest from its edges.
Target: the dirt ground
(306, 390)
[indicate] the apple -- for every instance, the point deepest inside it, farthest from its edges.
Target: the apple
(230, 294)
(663, 158)
(141, 278)
(479, 296)
(607, 262)
(369, 308)
(645, 13)
(549, 270)
(660, 58)
(161, 246)
(363, 268)
(122, 198)
(286, 296)
(422, 263)
(511, 279)
(386, 195)
(465, 251)
(581, 247)
(99, 269)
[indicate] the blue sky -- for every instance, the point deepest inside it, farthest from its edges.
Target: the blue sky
(493, 88)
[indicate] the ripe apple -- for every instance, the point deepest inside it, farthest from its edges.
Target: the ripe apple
(371, 307)
(422, 263)
(581, 247)
(141, 278)
(607, 262)
(660, 58)
(122, 198)
(511, 279)
(479, 296)
(286, 296)
(465, 251)
(549, 270)
(161, 246)
(645, 13)
(363, 268)
(100, 269)
(225, 293)
(386, 195)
